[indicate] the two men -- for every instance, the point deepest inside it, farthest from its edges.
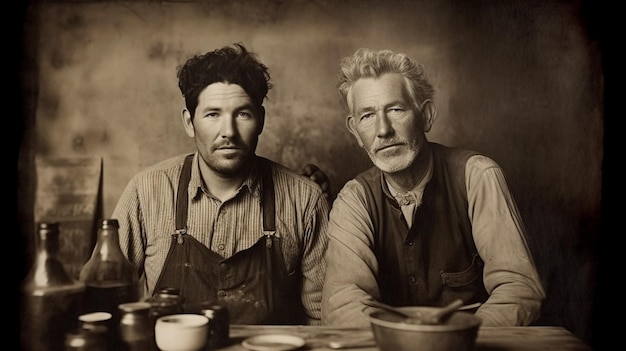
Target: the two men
(426, 225)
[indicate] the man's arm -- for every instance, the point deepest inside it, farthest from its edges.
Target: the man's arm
(313, 267)
(128, 213)
(351, 265)
(510, 275)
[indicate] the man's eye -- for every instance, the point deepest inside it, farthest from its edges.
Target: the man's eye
(211, 115)
(367, 116)
(395, 112)
(244, 114)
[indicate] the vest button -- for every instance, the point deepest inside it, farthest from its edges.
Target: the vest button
(221, 293)
(412, 280)
(410, 243)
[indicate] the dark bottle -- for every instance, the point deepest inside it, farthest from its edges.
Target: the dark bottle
(219, 324)
(170, 293)
(136, 328)
(165, 301)
(110, 279)
(50, 298)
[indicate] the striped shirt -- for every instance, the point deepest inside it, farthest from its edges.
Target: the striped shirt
(146, 213)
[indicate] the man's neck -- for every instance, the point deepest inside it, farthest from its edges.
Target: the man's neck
(222, 186)
(408, 179)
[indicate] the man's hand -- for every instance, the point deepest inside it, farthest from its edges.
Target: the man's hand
(317, 175)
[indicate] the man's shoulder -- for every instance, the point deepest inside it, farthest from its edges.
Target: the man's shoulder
(287, 178)
(463, 157)
(372, 174)
(289, 174)
(167, 167)
(451, 151)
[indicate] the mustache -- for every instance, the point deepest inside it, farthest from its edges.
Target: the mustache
(377, 145)
(228, 144)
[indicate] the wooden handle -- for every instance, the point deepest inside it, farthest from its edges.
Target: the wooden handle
(377, 304)
(440, 315)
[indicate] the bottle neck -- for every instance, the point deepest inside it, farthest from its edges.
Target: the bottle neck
(47, 271)
(48, 244)
(108, 245)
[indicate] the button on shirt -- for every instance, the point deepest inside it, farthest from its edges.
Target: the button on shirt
(146, 212)
(412, 199)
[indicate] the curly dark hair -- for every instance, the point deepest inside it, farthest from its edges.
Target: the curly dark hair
(230, 64)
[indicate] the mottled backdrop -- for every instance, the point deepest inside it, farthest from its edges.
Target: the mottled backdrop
(521, 81)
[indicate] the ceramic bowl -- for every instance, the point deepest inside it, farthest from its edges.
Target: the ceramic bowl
(181, 332)
(393, 333)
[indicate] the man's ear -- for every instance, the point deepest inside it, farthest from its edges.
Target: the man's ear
(429, 113)
(185, 117)
(261, 119)
(351, 124)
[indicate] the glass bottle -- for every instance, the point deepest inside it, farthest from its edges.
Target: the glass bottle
(219, 324)
(110, 279)
(50, 298)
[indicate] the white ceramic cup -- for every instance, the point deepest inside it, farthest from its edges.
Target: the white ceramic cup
(181, 332)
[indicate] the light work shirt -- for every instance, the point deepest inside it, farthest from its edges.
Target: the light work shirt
(510, 276)
(146, 213)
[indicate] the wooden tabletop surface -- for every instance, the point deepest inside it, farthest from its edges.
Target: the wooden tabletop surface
(317, 338)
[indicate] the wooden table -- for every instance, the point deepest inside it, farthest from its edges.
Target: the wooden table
(489, 339)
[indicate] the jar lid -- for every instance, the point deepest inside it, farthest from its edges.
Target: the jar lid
(168, 290)
(95, 317)
(212, 305)
(134, 306)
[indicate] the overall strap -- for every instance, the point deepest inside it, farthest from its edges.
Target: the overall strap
(269, 228)
(269, 224)
(182, 196)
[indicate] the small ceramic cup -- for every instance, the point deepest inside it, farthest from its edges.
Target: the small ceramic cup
(181, 332)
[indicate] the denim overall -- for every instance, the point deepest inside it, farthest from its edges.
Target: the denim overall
(253, 284)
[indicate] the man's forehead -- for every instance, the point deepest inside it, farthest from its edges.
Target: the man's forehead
(371, 92)
(223, 90)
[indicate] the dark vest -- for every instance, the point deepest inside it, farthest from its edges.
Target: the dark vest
(436, 260)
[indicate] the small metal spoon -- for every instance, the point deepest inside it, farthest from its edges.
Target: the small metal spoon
(389, 308)
(348, 344)
(441, 314)
(435, 317)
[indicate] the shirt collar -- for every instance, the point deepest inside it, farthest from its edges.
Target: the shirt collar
(196, 185)
(414, 195)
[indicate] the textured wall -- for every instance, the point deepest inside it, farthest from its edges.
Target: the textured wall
(520, 81)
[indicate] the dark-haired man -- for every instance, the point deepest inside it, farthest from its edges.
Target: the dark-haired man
(223, 224)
